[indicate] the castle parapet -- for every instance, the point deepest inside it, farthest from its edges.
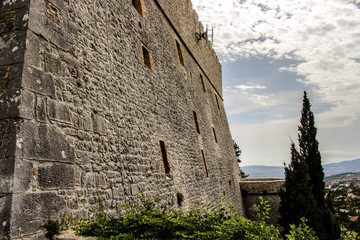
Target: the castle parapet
(186, 21)
(267, 188)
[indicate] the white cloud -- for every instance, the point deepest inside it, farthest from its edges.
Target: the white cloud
(250, 87)
(323, 35)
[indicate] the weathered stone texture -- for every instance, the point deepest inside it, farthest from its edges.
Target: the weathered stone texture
(30, 211)
(185, 19)
(267, 188)
(87, 96)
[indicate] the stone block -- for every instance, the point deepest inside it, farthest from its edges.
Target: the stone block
(12, 47)
(26, 108)
(42, 142)
(88, 126)
(77, 121)
(9, 103)
(58, 111)
(40, 109)
(7, 138)
(14, 20)
(32, 210)
(42, 25)
(35, 47)
(56, 176)
(15, 176)
(38, 81)
(82, 158)
(11, 5)
(59, 4)
(10, 76)
(5, 213)
(16, 104)
(99, 124)
(88, 180)
(54, 65)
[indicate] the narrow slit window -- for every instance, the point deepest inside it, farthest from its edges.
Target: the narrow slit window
(145, 56)
(217, 101)
(205, 164)
(179, 53)
(164, 157)
(202, 83)
(139, 6)
(215, 138)
(196, 122)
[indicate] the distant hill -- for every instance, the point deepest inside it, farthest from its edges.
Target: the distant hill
(342, 176)
(259, 171)
(342, 167)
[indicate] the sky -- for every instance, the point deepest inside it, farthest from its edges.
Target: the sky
(272, 51)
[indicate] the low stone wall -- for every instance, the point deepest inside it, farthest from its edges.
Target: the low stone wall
(267, 188)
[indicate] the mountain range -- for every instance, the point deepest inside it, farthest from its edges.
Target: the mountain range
(260, 171)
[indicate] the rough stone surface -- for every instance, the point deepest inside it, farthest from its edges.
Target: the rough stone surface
(88, 89)
(56, 176)
(31, 211)
(15, 176)
(267, 188)
(5, 212)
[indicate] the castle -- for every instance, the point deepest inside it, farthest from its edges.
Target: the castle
(107, 99)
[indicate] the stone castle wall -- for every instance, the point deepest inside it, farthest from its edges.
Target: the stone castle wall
(107, 98)
(267, 188)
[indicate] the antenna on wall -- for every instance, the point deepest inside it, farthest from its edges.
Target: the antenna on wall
(207, 28)
(202, 35)
(212, 35)
(205, 35)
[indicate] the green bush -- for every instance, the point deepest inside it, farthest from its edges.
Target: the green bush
(348, 234)
(152, 220)
(301, 232)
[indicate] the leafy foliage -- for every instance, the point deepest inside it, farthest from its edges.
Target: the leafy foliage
(303, 231)
(52, 228)
(152, 220)
(237, 154)
(348, 234)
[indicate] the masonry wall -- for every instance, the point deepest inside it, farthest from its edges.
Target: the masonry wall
(88, 89)
(266, 188)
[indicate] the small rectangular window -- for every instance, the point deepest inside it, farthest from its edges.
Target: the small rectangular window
(164, 157)
(202, 83)
(196, 122)
(139, 6)
(146, 58)
(205, 164)
(215, 138)
(179, 52)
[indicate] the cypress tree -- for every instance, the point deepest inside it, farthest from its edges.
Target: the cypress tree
(296, 198)
(309, 150)
(320, 217)
(326, 225)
